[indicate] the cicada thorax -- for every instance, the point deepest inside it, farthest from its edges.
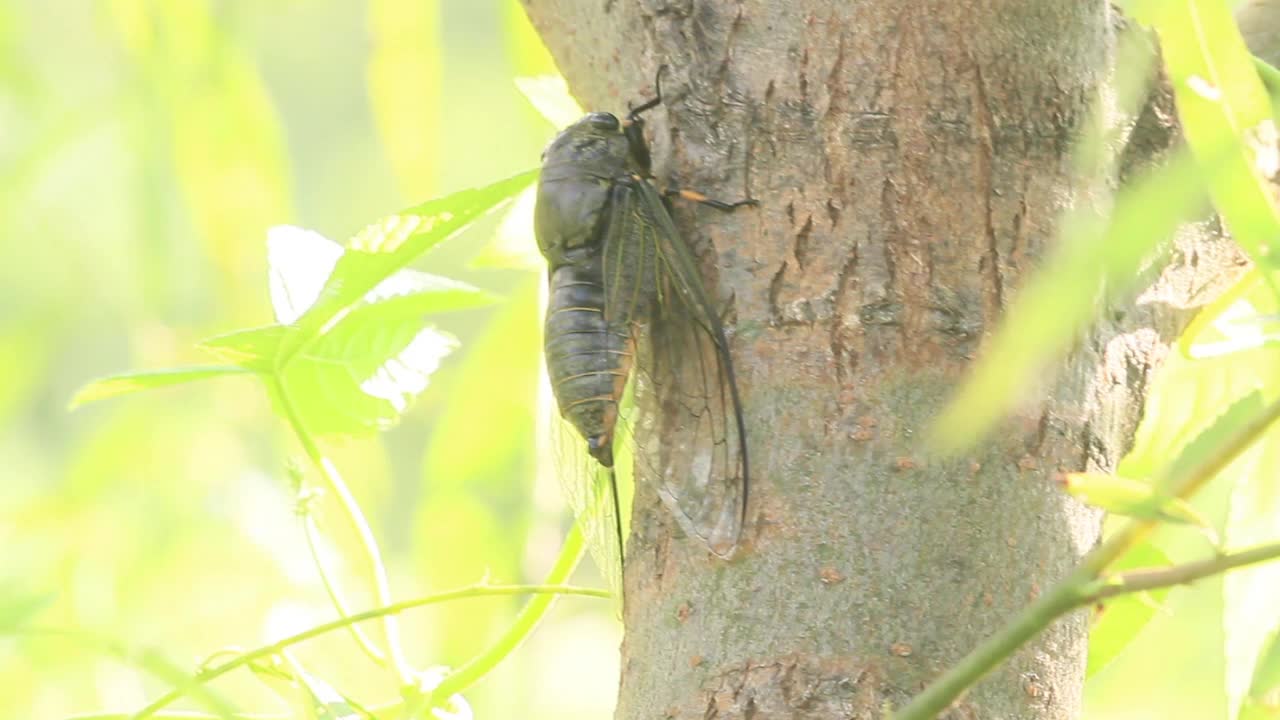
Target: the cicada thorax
(589, 351)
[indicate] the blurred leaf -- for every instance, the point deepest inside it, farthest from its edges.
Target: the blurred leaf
(1225, 116)
(524, 45)
(1131, 498)
(1232, 417)
(514, 245)
(25, 356)
(404, 88)
(1120, 620)
(479, 482)
(381, 249)
(1228, 324)
(228, 149)
(549, 95)
(1061, 298)
(1249, 594)
(1263, 700)
(1183, 423)
(493, 389)
(18, 606)
(131, 382)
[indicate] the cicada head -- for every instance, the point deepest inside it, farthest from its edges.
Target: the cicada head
(595, 146)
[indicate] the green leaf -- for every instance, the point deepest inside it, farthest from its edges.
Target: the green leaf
(361, 375)
(1061, 299)
(1131, 498)
(1264, 688)
(131, 382)
(387, 246)
(1184, 423)
(1227, 325)
(253, 349)
(1122, 617)
(1216, 437)
(1225, 117)
(300, 262)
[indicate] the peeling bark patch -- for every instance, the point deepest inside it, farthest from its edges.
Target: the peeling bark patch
(830, 576)
(683, 612)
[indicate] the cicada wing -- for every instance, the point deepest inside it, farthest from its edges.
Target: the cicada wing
(691, 437)
(589, 489)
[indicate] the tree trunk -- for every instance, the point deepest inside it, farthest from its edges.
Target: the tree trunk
(911, 160)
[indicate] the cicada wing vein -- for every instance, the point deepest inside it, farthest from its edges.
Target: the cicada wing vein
(588, 488)
(690, 436)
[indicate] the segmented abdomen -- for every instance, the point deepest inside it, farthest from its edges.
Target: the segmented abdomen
(588, 360)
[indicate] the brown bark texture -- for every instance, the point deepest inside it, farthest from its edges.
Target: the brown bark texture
(911, 160)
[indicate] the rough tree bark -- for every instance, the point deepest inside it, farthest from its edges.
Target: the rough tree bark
(911, 159)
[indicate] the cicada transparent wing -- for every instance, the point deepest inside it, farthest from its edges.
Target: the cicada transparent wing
(689, 433)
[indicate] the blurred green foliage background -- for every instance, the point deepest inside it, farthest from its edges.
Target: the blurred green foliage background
(145, 148)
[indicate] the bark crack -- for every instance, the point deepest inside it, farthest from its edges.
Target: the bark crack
(985, 160)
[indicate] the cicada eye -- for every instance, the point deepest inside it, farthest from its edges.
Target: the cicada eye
(603, 121)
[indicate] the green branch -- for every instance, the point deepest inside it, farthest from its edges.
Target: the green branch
(479, 590)
(1078, 587)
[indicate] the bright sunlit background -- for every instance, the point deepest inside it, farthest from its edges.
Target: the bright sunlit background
(145, 149)
(147, 146)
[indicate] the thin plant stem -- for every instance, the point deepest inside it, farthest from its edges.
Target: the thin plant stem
(478, 590)
(1146, 579)
(523, 625)
(335, 595)
(368, 543)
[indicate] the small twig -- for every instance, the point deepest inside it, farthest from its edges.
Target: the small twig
(522, 627)
(1156, 578)
(368, 543)
(335, 595)
(479, 590)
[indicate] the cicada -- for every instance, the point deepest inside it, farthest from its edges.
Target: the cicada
(627, 304)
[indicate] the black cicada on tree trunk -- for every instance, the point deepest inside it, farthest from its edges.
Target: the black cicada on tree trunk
(627, 304)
